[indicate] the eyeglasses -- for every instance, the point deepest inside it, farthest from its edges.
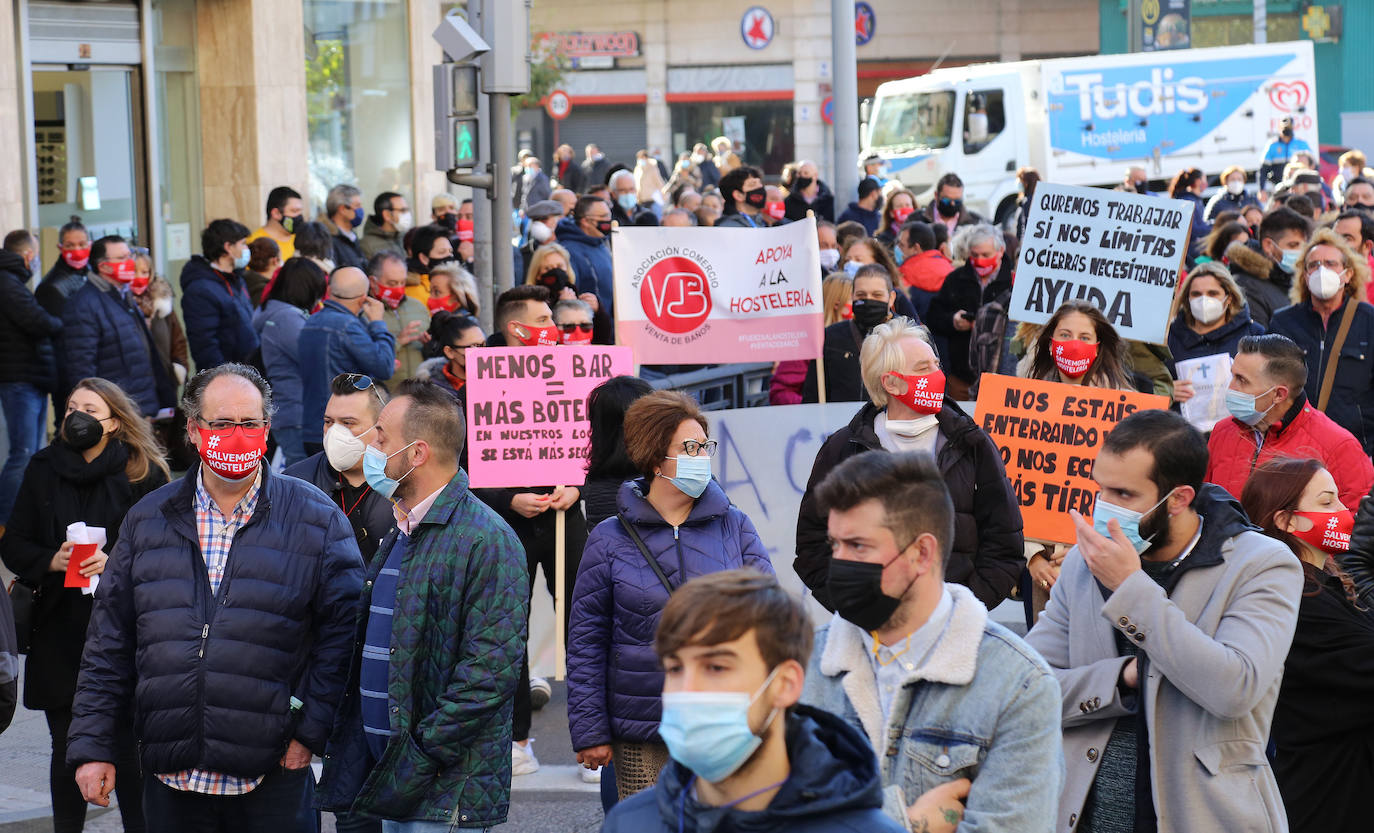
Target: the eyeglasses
(1333, 265)
(466, 346)
(249, 427)
(572, 328)
(692, 448)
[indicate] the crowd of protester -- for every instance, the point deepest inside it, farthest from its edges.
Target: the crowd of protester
(294, 563)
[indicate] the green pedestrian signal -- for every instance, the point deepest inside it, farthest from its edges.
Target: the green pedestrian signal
(465, 149)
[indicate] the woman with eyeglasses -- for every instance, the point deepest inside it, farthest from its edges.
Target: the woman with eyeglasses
(103, 461)
(674, 523)
(451, 335)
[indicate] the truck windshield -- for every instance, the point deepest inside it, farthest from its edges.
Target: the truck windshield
(914, 120)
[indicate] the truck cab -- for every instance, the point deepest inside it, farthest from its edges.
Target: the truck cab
(965, 120)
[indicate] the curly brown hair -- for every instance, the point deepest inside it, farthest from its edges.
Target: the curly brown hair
(651, 422)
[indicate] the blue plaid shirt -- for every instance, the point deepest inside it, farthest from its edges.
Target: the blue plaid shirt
(216, 533)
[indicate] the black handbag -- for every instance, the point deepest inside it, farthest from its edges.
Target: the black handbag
(23, 599)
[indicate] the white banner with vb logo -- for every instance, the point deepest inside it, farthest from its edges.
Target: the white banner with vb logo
(718, 295)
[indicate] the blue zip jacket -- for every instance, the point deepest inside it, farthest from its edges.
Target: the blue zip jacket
(104, 335)
(209, 678)
(614, 678)
(217, 313)
(335, 341)
(279, 328)
(870, 220)
(833, 788)
(591, 262)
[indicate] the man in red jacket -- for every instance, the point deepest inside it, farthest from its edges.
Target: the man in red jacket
(1272, 417)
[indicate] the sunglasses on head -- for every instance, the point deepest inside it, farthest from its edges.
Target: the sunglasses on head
(571, 328)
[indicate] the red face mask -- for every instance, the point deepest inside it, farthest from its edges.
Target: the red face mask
(925, 394)
(391, 295)
(233, 453)
(442, 302)
(775, 209)
(121, 271)
(847, 313)
(1330, 531)
(577, 336)
(465, 231)
(140, 285)
(985, 266)
(77, 258)
(1073, 358)
(899, 215)
(540, 336)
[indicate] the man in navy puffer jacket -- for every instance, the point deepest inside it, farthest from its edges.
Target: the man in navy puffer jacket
(223, 625)
(214, 302)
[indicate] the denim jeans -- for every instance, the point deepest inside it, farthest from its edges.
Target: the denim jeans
(423, 827)
(290, 438)
(25, 407)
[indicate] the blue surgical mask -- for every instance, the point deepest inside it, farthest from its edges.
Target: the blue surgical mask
(1290, 260)
(1242, 406)
(357, 219)
(241, 262)
(708, 731)
(851, 268)
(1129, 520)
(693, 474)
(898, 255)
(374, 471)
(627, 202)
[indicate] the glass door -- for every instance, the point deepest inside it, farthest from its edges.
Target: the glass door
(88, 139)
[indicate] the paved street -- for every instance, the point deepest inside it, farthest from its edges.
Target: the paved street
(552, 799)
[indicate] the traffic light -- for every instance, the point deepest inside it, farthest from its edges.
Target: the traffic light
(456, 133)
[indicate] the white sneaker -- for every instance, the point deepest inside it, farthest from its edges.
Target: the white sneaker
(522, 759)
(590, 776)
(540, 692)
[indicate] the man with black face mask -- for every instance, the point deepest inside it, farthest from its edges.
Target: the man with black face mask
(964, 718)
(947, 208)
(1278, 153)
(872, 302)
(745, 196)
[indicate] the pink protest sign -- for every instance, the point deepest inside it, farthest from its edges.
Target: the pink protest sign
(527, 411)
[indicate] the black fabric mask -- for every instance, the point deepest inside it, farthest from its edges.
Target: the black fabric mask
(291, 225)
(438, 261)
(801, 183)
(756, 197)
(949, 207)
(869, 313)
(554, 279)
(81, 431)
(604, 226)
(448, 221)
(856, 591)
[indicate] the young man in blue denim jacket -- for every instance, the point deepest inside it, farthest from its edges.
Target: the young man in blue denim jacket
(964, 717)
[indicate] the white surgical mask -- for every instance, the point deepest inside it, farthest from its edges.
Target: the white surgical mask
(540, 232)
(1235, 187)
(1206, 309)
(1324, 282)
(1348, 174)
(405, 221)
(829, 259)
(342, 448)
(162, 307)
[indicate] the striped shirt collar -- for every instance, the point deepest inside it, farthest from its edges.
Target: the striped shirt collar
(245, 506)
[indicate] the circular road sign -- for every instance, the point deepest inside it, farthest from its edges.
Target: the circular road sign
(558, 105)
(828, 110)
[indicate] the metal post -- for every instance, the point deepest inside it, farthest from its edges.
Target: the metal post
(1133, 26)
(1261, 21)
(502, 160)
(845, 177)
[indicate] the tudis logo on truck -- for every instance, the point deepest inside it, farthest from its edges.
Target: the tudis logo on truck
(1132, 112)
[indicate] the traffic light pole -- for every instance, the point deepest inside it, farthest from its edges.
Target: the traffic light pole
(502, 161)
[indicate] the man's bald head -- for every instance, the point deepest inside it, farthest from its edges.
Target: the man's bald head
(565, 198)
(348, 286)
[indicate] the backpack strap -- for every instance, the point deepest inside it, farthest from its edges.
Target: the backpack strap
(644, 551)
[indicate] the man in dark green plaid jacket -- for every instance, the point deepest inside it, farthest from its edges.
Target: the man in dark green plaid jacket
(424, 734)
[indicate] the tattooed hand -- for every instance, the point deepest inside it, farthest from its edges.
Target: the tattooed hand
(940, 810)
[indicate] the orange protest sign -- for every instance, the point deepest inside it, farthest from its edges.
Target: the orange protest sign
(1048, 434)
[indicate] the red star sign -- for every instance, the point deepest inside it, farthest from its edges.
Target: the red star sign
(756, 32)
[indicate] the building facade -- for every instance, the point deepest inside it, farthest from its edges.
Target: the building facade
(148, 118)
(663, 75)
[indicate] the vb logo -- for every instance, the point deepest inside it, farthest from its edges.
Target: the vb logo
(676, 295)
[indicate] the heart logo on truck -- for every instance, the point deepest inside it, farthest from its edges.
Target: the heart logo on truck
(1289, 96)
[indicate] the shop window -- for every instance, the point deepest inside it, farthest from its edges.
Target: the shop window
(762, 131)
(984, 119)
(357, 71)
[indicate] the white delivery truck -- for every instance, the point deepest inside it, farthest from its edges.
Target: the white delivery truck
(1083, 121)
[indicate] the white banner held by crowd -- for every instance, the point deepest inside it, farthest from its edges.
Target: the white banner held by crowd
(1121, 252)
(718, 295)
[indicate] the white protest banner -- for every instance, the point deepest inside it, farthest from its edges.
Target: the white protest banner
(1121, 252)
(1211, 376)
(718, 295)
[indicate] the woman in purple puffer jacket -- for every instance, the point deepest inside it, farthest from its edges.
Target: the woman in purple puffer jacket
(688, 528)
